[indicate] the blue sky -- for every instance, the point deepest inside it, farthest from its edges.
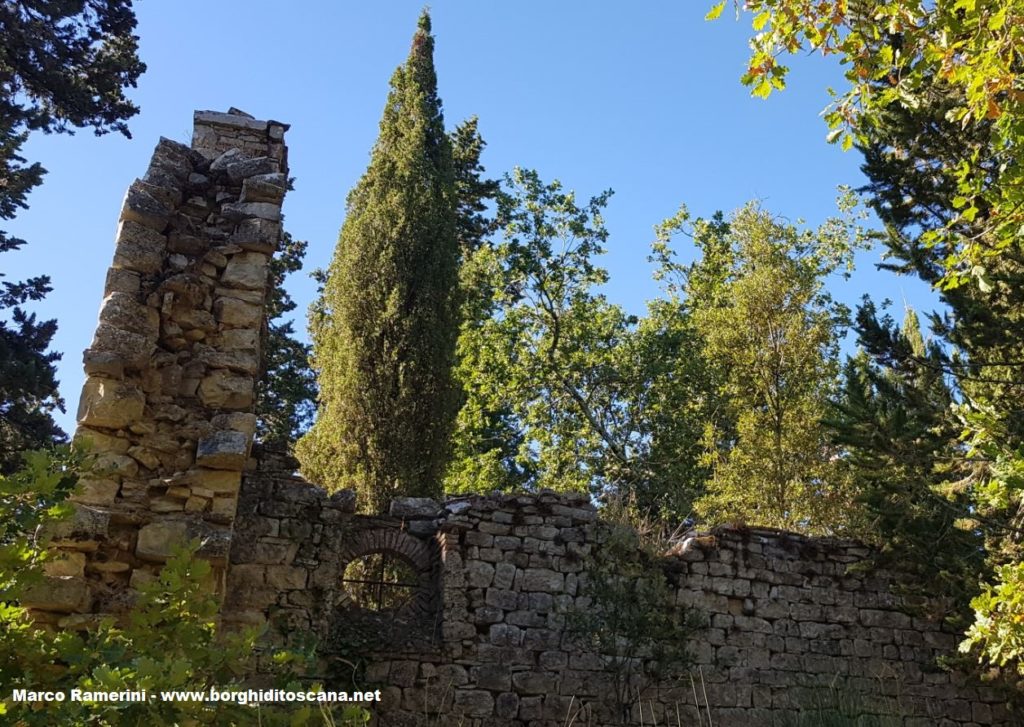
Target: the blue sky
(642, 97)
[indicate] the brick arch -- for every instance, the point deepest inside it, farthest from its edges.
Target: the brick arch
(422, 558)
(395, 542)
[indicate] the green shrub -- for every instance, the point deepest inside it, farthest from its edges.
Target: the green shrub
(169, 640)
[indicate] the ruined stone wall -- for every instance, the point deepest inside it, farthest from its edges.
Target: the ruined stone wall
(790, 623)
(168, 398)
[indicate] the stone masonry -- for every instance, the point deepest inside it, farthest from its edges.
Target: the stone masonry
(167, 405)
(480, 638)
(790, 622)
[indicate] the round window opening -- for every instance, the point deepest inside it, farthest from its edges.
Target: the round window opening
(380, 582)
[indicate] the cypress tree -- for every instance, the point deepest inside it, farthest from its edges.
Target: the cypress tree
(908, 468)
(385, 327)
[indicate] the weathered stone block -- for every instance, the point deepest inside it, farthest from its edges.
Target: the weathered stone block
(258, 235)
(103, 364)
(507, 600)
(221, 161)
(243, 168)
(196, 503)
(139, 248)
(242, 362)
(474, 702)
(886, 619)
(483, 540)
(202, 119)
(214, 541)
(506, 705)
(488, 615)
(343, 500)
(64, 564)
(120, 280)
(272, 551)
(166, 504)
(222, 509)
(224, 450)
(236, 421)
(478, 574)
(186, 244)
(495, 677)
(243, 210)
(94, 441)
(158, 540)
(173, 157)
(414, 507)
(109, 404)
(532, 682)
(194, 318)
(505, 635)
(244, 339)
(91, 491)
(83, 530)
(110, 464)
(65, 594)
(141, 206)
(286, 577)
(145, 456)
(542, 579)
(222, 389)
(132, 349)
(237, 313)
(246, 270)
(264, 188)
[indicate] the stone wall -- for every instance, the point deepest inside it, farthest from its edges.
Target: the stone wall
(168, 398)
(790, 622)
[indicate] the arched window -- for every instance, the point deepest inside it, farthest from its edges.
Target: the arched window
(388, 573)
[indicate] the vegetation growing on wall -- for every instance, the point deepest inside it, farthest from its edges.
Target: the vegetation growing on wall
(628, 615)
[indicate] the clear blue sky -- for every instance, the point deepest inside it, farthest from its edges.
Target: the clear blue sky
(642, 97)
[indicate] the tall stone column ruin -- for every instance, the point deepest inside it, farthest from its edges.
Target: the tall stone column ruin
(168, 401)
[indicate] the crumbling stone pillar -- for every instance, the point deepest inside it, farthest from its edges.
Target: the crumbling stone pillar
(168, 400)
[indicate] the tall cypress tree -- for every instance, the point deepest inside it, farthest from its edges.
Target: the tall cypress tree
(385, 327)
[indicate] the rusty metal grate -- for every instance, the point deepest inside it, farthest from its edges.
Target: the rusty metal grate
(380, 582)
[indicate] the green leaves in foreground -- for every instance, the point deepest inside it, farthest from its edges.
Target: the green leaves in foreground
(998, 629)
(169, 639)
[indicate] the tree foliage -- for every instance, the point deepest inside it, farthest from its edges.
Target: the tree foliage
(64, 66)
(523, 356)
(731, 367)
(384, 330)
(758, 302)
(934, 101)
(286, 393)
(564, 389)
(901, 449)
(28, 377)
(909, 53)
